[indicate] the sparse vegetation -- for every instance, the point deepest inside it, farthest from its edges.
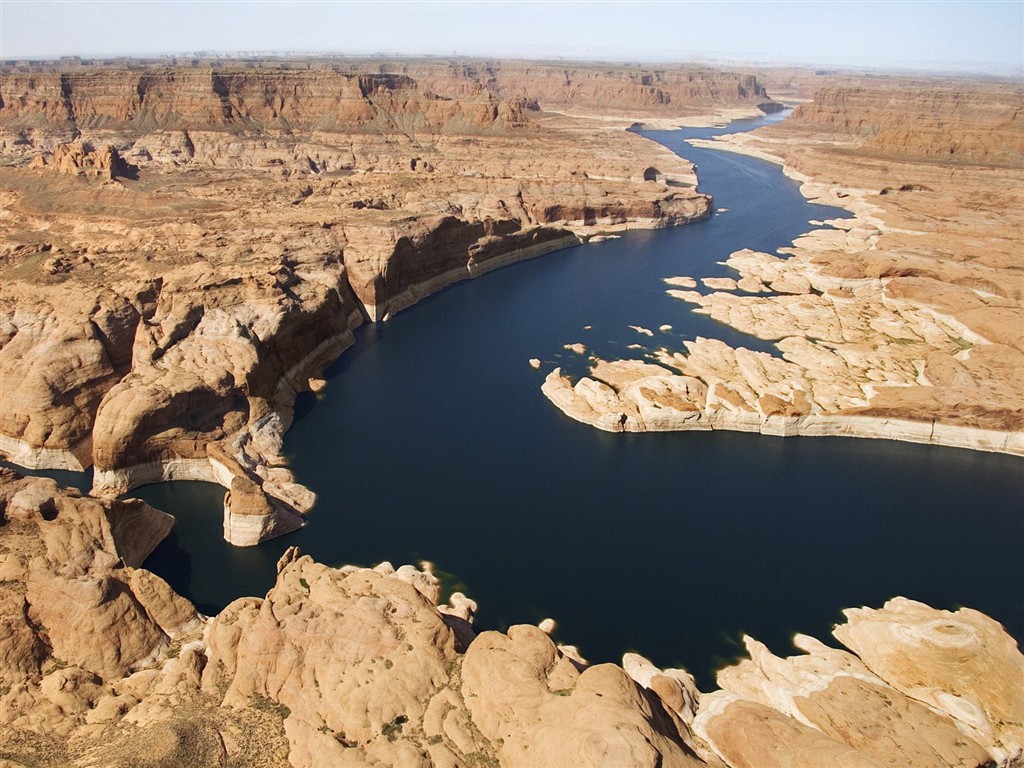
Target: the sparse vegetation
(267, 704)
(345, 742)
(392, 729)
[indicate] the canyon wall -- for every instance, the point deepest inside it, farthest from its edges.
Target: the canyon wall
(962, 123)
(158, 318)
(283, 101)
(599, 89)
(291, 95)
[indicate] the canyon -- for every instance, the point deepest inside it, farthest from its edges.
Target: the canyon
(187, 248)
(222, 230)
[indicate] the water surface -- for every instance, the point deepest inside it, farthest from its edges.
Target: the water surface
(433, 441)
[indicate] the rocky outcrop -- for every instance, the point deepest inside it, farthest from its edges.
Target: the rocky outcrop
(855, 361)
(69, 567)
(59, 352)
(188, 374)
(914, 648)
(825, 705)
(894, 324)
(358, 666)
(216, 368)
(392, 267)
(81, 160)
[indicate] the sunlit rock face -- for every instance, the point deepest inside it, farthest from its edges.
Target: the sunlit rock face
(186, 248)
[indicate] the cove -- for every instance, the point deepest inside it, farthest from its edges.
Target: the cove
(434, 442)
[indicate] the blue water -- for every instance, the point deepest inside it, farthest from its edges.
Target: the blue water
(433, 441)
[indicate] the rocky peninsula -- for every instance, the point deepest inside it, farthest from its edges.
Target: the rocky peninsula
(903, 322)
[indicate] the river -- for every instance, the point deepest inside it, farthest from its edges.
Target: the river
(433, 441)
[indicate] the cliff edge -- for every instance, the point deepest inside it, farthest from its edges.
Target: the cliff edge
(185, 249)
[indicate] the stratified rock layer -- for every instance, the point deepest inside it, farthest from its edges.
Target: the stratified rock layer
(102, 664)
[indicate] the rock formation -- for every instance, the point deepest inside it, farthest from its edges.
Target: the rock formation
(962, 123)
(102, 664)
(157, 320)
(160, 323)
(80, 160)
(401, 96)
(902, 323)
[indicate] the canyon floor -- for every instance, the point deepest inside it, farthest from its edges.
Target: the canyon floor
(185, 248)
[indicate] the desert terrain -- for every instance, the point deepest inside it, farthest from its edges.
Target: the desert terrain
(102, 664)
(185, 247)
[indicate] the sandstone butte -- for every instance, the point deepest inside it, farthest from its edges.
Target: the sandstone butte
(183, 250)
(102, 664)
(905, 321)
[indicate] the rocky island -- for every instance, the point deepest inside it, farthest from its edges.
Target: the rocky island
(186, 248)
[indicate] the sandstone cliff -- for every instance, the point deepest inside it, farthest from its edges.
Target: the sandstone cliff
(963, 123)
(374, 94)
(240, 100)
(902, 323)
(102, 664)
(163, 299)
(599, 89)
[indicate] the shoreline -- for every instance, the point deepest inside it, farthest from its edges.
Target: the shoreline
(228, 463)
(559, 389)
(331, 662)
(284, 504)
(415, 293)
(324, 660)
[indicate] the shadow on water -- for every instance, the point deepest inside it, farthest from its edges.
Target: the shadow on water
(175, 563)
(366, 336)
(437, 444)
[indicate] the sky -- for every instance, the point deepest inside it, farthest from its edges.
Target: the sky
(980, 36)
